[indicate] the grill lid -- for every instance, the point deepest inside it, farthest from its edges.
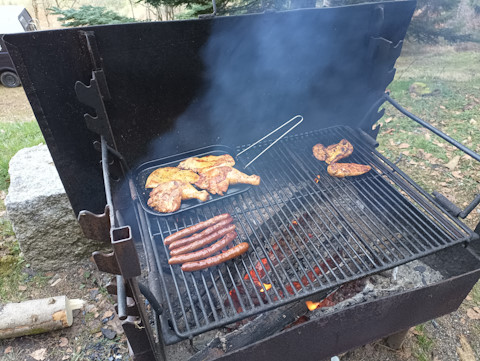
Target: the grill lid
(181, 85)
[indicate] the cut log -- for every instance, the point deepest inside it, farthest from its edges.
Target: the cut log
(37, 316)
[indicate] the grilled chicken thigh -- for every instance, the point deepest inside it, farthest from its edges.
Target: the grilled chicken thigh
(207, 162)
(214, 180)
(166, 174)
(167, 197)
(217, 180)
(341, 170)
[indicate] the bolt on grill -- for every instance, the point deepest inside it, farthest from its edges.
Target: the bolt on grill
(308, 233)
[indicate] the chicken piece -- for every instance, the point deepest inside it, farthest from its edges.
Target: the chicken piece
(190, 192)
(167, 197)
(207, 162)
(214, 180)
(319, 152)
(341, 170)
(166, 174)
(217, 180)
(338, 151)
(236, 177)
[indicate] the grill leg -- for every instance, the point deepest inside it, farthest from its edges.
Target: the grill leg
(396, 340)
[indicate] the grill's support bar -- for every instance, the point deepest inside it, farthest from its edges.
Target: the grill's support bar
(442, 200)
(125, 264)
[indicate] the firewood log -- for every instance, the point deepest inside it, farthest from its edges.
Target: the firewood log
(37, 316)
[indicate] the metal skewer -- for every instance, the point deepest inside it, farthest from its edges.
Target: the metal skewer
(275, 141)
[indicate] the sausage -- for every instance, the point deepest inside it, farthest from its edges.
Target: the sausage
(204, 253)
(202, 242)
(184, 241)
(195, 228)
(215, 260)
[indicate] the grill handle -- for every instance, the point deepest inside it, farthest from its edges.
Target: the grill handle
(441, 199)
(276, 140)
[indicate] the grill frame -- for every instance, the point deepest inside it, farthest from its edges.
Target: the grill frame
(231, 276)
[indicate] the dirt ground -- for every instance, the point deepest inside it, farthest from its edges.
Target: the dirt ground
(96, 333)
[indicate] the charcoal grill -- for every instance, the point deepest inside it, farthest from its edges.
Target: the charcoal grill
(113, 100)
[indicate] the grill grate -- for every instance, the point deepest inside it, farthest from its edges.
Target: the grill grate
(305, 237)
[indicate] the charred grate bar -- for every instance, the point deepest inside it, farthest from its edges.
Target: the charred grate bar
(306, 234)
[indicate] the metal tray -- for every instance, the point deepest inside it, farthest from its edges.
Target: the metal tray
(142, 172)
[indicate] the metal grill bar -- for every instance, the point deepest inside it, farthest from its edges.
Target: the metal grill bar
(305, 237)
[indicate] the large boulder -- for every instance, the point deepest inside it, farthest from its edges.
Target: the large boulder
(43, 220)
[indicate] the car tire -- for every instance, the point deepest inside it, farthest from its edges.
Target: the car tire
(9, 79)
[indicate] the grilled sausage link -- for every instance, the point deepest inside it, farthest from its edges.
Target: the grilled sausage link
(202, 242)
(195, 228)
(184, 241)
(206, 252)
(216, 260)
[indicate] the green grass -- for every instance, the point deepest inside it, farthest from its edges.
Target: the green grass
(453, 107)
(424, 346)
(13, 137)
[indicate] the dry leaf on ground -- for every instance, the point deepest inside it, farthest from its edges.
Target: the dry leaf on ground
(63, 342)
(473, 313)
(453, 163)
(39, 354)
(388, 120)
(457, 174)
(8, 349)
(465, 353)
(403, 146)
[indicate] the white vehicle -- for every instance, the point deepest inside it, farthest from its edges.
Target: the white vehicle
(13, 19)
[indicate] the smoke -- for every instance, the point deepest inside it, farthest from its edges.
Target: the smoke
(261, 70)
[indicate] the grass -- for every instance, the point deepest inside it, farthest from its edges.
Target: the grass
(453, 107)
(13, 137)
(424, 346)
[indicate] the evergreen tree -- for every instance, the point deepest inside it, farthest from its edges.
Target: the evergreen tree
(88, 15)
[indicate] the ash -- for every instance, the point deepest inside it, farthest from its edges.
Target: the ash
(412, 275)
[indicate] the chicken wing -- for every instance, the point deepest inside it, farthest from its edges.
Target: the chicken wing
(217, 180)
(341, 170)
(167, 197)
(338, 151)
(166, 174)
(207, 162)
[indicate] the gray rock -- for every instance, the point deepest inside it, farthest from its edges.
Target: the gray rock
(43, 220)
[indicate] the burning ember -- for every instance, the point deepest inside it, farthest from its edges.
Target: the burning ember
(317, 178)
(266, 287)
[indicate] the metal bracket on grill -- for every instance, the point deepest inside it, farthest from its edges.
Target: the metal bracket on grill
(96, 93)
(124, 258)
(95, 226)
(125, 252)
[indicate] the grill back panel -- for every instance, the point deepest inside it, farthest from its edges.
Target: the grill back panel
(177, 86)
